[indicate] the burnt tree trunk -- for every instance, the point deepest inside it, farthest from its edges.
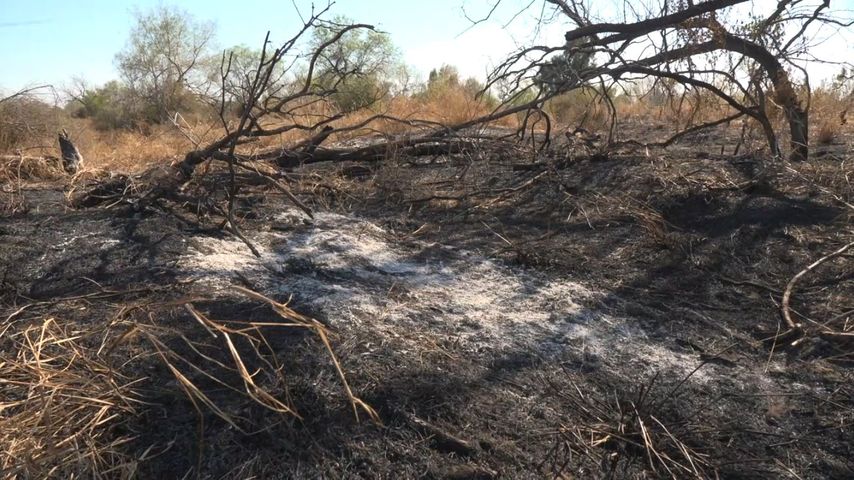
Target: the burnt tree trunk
(702, 16)
(798, 130)
(72, 160)
(784, 92)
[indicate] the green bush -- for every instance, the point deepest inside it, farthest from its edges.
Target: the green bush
(446, 79)
(110, 107)
(359, 67)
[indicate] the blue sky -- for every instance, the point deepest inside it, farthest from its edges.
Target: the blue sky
(50, 41)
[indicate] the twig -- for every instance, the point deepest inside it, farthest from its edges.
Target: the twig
(278, 186)
(787, 294)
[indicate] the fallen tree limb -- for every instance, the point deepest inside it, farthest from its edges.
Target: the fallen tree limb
(372, 153)
(560, 165)
(278, 186)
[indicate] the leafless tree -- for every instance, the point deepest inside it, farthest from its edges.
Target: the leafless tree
(698, 45)
(691, 45)
(25, 114)
(24, 92)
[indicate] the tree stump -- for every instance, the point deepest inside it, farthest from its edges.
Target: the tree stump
(72, 161)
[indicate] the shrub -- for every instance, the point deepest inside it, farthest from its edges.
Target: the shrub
(580, 105)
(110, 107)
(827, 133)
(26, 122)
(445, 83)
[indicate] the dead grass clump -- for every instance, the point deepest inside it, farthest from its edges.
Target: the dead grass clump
(64, 405)
(829, 106)
(61, 403)
(620, 433)
(657, 229)
(449, 106)
(14, 171)
(15, 168)
(27, 123)
(580, 107)
(129, 151)
(244, 363)
(827, 133)
(12, 201)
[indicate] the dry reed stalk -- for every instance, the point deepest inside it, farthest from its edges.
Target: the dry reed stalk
(234, 374)
(320, 330)
(16, 168)
(60, 404)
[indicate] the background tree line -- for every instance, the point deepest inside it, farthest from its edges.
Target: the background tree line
(170, 65)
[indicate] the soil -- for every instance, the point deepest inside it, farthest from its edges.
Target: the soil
(599, 317)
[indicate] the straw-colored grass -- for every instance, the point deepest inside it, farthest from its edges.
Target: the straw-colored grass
(15, 168)
(15, 171)
(256, 350)
(827, 133)
(60, 404)
(63, 396)
(132, 151)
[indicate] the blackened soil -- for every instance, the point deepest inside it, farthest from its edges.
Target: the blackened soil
(683, 245)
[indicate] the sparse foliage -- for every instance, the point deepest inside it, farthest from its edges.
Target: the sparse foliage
(747, 64)
(563, 71)
(243, 64)
(110, 107)
(159, 63)
(360, 66)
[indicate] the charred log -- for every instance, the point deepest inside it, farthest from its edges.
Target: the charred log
(373, 153)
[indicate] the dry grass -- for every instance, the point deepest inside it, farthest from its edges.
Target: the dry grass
(618, 432)
(827, 133)
(652, 222)
(61, 402)
(63, 398)
(828, 110)
(131, 151)
(246, 344)
(16, 168)
(128, 151)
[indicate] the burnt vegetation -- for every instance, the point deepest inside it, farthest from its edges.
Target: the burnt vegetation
(199, 314)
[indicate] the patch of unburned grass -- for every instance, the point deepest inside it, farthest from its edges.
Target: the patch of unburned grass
(61, 402)
(67, 398)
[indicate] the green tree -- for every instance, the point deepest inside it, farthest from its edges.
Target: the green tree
(234, 70)
(110, 106)
(446, 79)
(159, 62)
(447, 76)
(361, 67)
(562, 71)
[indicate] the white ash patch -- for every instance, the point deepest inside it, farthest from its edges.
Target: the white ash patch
(350, 271)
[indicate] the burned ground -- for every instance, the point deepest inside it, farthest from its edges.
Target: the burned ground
(584, 317)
